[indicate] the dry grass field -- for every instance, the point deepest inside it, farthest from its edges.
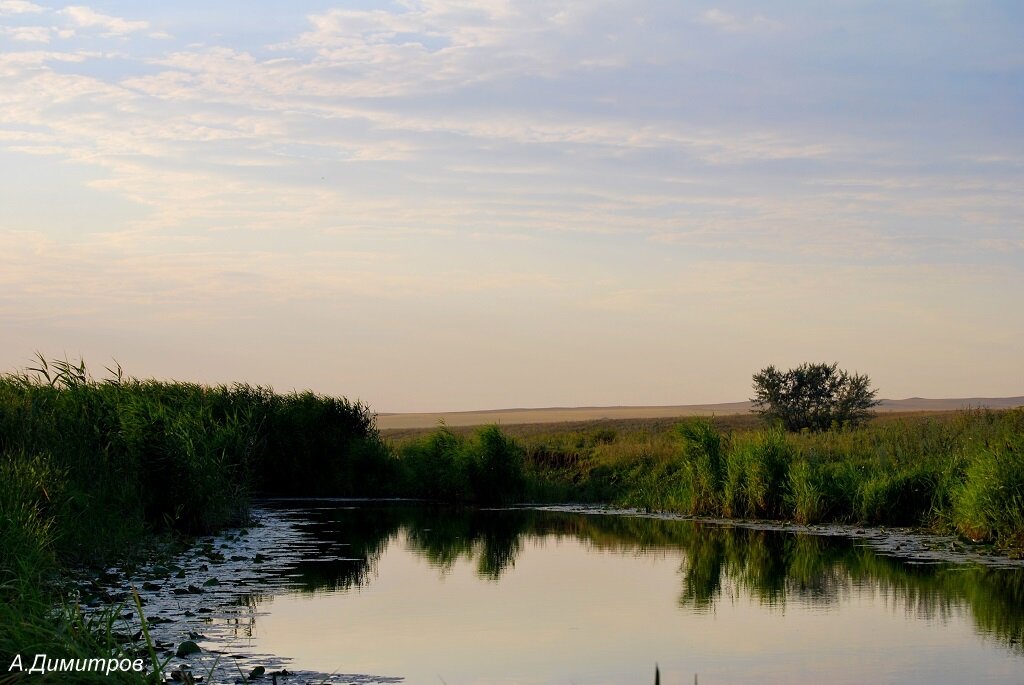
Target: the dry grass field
(738, 413)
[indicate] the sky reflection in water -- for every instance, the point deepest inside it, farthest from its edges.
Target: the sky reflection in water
(436, 595)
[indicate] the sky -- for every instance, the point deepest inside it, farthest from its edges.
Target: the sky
(440, 205)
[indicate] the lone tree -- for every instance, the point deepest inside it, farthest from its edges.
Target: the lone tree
(813, 396)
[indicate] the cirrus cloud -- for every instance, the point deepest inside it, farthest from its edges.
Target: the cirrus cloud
(88, 18)
(19, 7)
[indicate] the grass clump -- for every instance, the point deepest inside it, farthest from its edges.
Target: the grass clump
(989, 504)
(703, 452)
(767, 463)
(899, 498)
(807, 499)
(31, 487)
(487, 467)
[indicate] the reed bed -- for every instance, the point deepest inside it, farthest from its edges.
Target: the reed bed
(961, 471)
(96, 471)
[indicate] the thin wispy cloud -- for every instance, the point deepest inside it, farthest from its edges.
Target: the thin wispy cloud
(579, 166)
(19, 7)
(27, 34)
(110, 26)
(731, 23)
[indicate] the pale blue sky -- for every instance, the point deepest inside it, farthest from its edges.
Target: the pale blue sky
(444, 204)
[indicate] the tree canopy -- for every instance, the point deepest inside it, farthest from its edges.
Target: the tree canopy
(813, 396)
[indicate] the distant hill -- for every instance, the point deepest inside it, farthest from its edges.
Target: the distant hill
(561, 414)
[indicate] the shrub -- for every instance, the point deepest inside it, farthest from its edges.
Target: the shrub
(487, 468)
(813, 396)
(434, 468)
(495, 467)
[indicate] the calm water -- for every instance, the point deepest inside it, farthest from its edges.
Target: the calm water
(433, 595)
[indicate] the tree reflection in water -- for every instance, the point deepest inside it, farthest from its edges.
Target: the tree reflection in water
(719, 562)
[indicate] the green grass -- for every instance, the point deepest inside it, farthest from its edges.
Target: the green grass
(989, 503)
(961, 471)
(485, 468)
(954, 471)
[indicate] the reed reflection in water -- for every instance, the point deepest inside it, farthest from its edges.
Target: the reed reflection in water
(538, 596)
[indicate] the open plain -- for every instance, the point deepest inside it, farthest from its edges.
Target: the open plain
(398, 421)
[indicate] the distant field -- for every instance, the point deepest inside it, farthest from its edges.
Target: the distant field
(506, 417)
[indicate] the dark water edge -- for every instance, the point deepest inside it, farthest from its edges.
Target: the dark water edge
(217, 592)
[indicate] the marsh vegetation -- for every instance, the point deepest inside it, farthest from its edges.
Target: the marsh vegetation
(961, 471)
(98, 470)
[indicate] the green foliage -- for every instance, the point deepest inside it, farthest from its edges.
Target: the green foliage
(808, 501)
(989, 505)
(735, 503)
(957, 470)
(485, 468)
(768, 469)
(897, 498)
(317, 445)
(813, 397)
(434, 465)
(29, 493)
(703, 455)
(91, 469)
(495, 466)
(757, 467)
(185, 456)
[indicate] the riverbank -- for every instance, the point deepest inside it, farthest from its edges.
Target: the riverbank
(117, 470)
(111, 470)
(957, 472)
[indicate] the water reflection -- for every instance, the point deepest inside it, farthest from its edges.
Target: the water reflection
(540, 596)
(719, 563)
